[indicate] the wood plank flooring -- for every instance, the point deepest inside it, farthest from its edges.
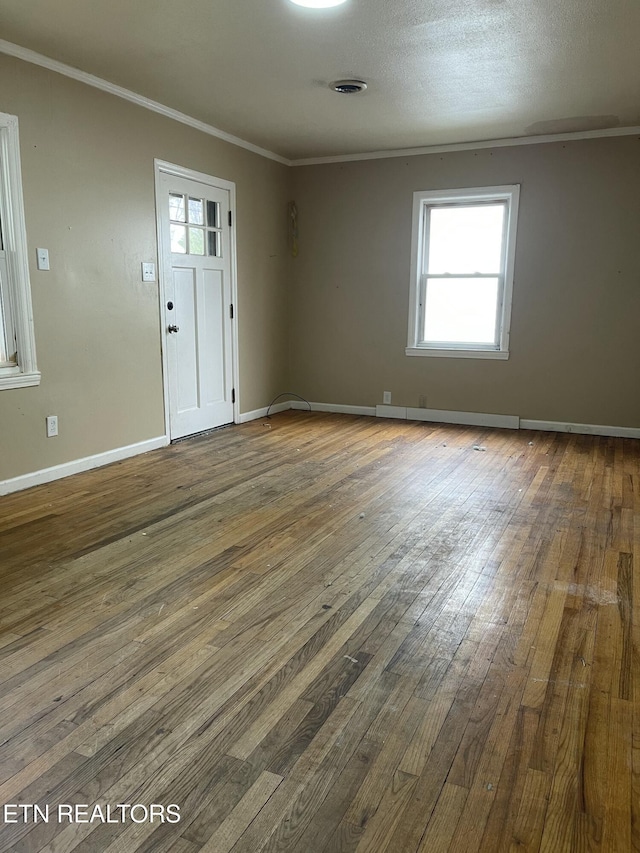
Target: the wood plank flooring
(325, 633)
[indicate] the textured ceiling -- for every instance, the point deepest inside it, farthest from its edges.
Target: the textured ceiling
(438, 71)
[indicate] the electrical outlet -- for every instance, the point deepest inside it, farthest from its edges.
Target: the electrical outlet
(52, 426)
(148, 271)
(43, 259)
(422, 401)
(386, 397)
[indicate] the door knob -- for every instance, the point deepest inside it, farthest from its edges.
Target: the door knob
(173, 329)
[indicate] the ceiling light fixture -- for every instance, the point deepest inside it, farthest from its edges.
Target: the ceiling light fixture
(318, 4)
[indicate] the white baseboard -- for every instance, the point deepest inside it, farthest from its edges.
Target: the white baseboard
(441, 416)
(338, 408)
(57, 472)
(302, 405)
(581, 429)
(398, 412)
(262, 413)
(481, 419)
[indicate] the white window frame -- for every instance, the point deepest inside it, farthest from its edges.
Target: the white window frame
(22, 370)
(422, 202)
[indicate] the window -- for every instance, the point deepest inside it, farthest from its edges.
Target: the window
(195, 237)
(17, 343)
(463, 248)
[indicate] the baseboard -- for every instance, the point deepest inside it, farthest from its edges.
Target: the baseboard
(581, 429)
(481, 419)
(338, 408)
(441, 416)
(57, 472)
(262, 413)
(397, 412)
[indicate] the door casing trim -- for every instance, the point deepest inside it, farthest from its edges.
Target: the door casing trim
(162, 167)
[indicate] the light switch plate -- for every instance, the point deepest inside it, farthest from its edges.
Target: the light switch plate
(148, 271)
(43, 259)
(52, 425)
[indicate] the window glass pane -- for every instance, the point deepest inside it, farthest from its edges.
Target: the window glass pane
(196, 211)
(196, 241)
(214, 244)
(461, 310)
(213, 214)
(176, 207)
(178, 239)
(4, 356)
(465, 239)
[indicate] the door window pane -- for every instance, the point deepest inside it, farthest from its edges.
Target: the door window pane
(196, 241)
(214, 244)
(176, 207)
(461, 310)
(196, 211)
(465, 239)
(213, 214)
(178, 239)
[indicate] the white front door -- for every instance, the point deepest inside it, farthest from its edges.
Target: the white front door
(195, 234)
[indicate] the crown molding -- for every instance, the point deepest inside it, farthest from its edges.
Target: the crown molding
(470, 146)
(34, 58)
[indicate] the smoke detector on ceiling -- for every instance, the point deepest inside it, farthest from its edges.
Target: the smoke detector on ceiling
(348, 87)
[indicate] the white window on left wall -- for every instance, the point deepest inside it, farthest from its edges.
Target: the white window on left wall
(18, 366)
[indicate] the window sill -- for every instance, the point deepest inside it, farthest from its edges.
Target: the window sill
(18, 380)
(457, 353)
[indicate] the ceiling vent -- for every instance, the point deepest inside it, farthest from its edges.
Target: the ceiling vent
(348, 87)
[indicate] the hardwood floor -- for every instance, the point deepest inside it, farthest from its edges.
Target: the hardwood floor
(327, 633)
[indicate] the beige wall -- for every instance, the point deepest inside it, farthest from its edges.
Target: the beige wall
(88, 178)
(330, 325)
(575, 342)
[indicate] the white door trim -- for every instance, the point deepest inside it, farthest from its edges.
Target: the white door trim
(164, 273)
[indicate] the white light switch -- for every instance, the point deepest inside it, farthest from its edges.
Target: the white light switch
(148, 272)
(43, 259)
(52, 425)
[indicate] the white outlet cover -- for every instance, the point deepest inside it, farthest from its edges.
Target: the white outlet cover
(148, 271)
(43, 259)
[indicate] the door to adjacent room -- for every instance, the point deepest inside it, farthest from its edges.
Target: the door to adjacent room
(197, 292)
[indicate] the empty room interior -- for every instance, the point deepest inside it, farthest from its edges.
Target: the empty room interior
(319, 426)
